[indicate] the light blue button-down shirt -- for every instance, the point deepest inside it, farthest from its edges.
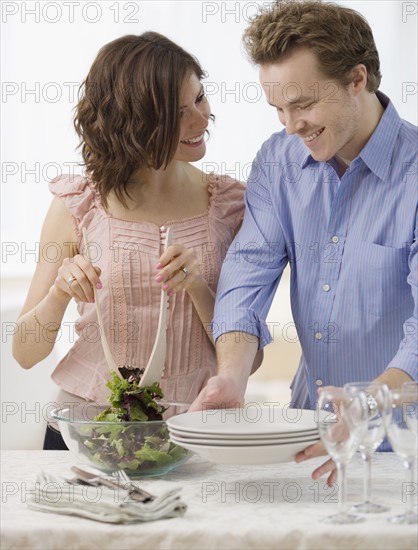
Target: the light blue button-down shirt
(352, 244)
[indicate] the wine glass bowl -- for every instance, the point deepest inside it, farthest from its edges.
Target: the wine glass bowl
(377, 398)
(341, 424)
(402, 429)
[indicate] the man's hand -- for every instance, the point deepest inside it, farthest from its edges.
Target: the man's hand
(220, 391)
(329, 466)
(235, 353)
(318, 449)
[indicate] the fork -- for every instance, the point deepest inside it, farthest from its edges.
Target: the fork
(134, 492)
(123, 478)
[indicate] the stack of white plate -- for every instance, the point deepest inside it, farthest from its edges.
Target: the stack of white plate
(248, 435)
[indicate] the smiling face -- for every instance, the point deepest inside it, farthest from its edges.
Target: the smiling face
(323, 113)
(194, 119)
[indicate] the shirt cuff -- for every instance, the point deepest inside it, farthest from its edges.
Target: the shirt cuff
(245, 320)
(405, 361)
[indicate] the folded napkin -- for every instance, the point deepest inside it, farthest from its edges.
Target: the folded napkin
(52, 494)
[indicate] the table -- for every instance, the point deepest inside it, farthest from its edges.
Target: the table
(263, 507)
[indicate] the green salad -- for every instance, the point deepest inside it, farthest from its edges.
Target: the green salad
(142, 448)
(129, 402)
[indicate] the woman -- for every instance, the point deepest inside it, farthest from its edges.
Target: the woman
(141, 120)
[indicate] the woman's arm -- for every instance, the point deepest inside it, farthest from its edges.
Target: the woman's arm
(203, 299)
(178, 270)
(171, 263)
(49, 293)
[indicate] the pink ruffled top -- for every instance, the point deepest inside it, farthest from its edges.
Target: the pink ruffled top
(127, 253)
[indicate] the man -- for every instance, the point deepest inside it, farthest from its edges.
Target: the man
(334, 194)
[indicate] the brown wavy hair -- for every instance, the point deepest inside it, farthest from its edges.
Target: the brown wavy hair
(340, 37)
(128, 116)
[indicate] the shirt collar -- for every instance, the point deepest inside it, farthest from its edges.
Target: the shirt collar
(377, 153)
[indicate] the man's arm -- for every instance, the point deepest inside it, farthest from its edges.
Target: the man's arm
(404, 365)
(235, 352)
(393, 378)
(249, 277)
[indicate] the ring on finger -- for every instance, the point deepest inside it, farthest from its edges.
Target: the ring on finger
(185, 271)
(71, 280)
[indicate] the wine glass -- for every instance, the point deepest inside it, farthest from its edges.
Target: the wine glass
(402, 429)
(377, 396)
(411, 385)
(342, 421)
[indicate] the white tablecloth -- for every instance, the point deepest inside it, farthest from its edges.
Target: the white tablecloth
(265, 507)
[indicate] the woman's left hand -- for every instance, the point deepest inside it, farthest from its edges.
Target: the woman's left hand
(178, 269)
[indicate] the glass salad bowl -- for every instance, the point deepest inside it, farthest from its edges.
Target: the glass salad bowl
(140, 448)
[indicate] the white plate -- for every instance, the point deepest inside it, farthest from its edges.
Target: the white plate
(242, 442)
(251, 420)
(254, 437)
(247, 455)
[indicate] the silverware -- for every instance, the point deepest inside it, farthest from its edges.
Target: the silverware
(134, 492)
(123, 476)
(156, 361)
(105, 345)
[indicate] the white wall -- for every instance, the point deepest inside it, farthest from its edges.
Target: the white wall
(52, 57)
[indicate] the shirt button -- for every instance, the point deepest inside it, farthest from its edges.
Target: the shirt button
(335, 239)
(318, 336)
(326, 287)
(163, 228)
(318, 382)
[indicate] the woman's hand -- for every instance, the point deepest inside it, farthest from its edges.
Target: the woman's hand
(178, 269)
(76, 278)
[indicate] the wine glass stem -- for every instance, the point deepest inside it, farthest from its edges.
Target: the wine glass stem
(342, 486)
(367, 459)
(409, 466)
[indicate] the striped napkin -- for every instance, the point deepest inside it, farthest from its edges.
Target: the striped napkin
(53, 494)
